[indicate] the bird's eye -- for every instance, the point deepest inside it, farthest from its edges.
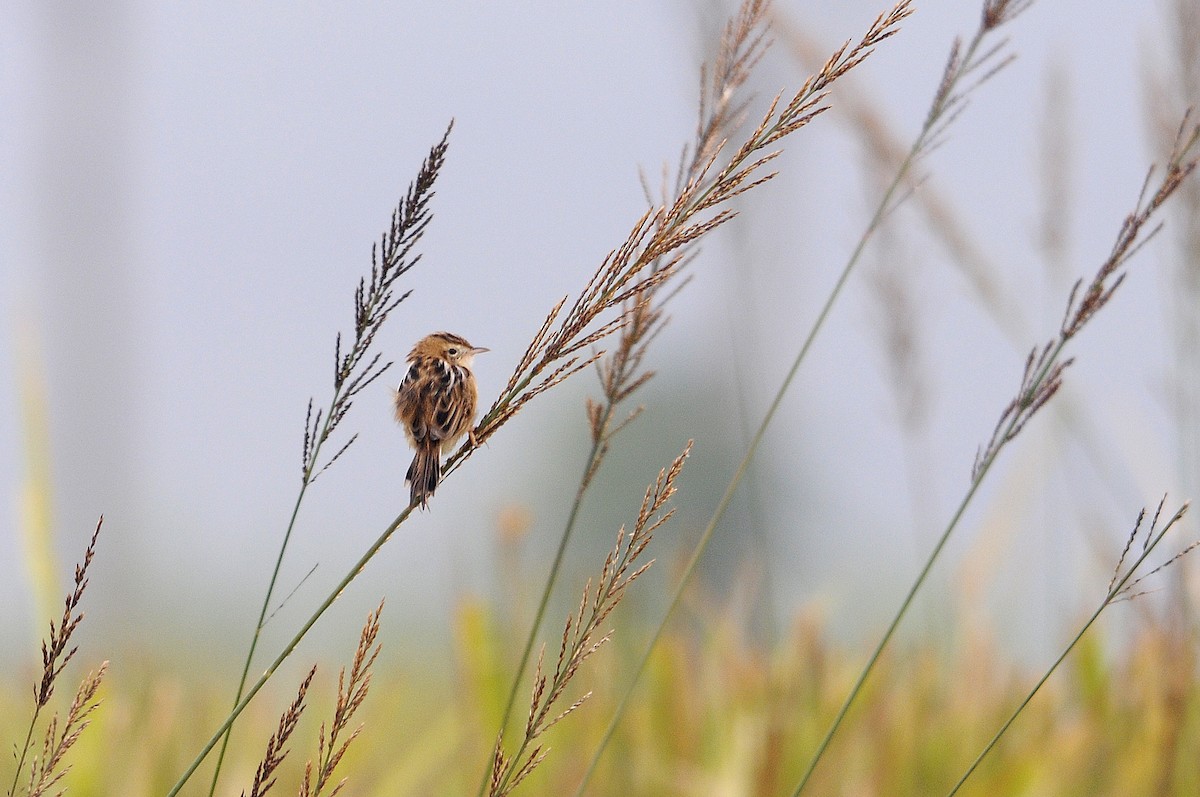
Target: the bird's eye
(452, 351)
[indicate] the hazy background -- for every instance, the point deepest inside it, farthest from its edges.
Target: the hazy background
(189, 197)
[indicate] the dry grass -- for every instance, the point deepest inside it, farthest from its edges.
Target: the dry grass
(264, 776)
(652, 254)
(46, 770)
(715, 710)
(581, 636)
(354, 370)
(334, 739)
(656, 247)
(351, 692)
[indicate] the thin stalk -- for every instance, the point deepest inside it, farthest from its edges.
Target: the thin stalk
(980, 474)
(691, 565)
(1042, 378)
(57, 652)
(24, 752)
(258, 627)
(908, 599)
(289, 648)
(374, 300)
(551, 580)
(1027, 699)
(1113, 591)
(760, 433)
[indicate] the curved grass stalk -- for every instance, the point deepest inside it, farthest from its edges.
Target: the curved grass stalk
(621, 376)
(665, 229)
(262, 614)
(658, 237)
(1115, 592)
(288, 649)
(740, 472)
(57, 652)
(353, 371)
(1042, 378)
(856, 689)
(734, 482)
(593, 463)
(582, 636)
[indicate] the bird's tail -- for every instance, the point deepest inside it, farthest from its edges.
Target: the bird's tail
(423, 473)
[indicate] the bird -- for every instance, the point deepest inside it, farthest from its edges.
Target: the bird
(435, 403)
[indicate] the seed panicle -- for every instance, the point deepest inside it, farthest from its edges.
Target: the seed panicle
(1123, 586)
(658, 243)
(581, 637)
(1044, 369)
(351, 692)
(276, 752)
(46, 770)
(375, 297)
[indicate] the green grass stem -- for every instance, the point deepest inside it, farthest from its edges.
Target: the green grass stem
(262, 614)
(1113, 592)
(289, 648)
(742, 467)
(551, 580)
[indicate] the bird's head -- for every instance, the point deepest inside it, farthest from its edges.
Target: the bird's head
(447, 346)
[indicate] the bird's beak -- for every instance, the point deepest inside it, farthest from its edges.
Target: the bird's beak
(479, 350)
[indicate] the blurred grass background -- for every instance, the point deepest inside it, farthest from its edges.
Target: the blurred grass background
(715, 715)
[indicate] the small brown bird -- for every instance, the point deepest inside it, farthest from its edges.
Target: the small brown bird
(435, 404)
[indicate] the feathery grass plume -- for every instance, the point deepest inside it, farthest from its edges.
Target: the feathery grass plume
(57, 651)
(889, 153)
(351, 693)
(49, 769)
(1180, 164)
(1123, 586)
(621, 372)
(276, 752)
(979, 58)
(661, 257)
(803, 106)
(967, 68)
(581, 635)
(952, 93)
(1043, 375)
(661, 235)
(374, 300)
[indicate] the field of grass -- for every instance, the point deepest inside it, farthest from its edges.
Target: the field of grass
(686, 699)
(714, 715)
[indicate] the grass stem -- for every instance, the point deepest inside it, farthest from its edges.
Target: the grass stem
(551, 580)
(262, 614)
(289, 648)
(740, 472)
(1114, 590)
